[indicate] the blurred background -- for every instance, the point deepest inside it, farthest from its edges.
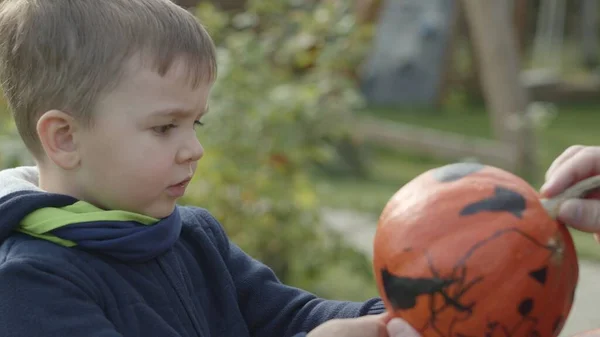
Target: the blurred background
(323, 109)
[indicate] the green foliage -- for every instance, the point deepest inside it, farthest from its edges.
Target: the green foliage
(12, 149)
(284, 96)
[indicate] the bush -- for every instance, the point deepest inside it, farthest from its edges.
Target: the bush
(283, 100)
(12, 149)
(284, 97)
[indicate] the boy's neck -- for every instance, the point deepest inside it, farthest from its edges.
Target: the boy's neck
(52, 181)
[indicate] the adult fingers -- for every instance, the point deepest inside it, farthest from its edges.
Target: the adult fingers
(582, 164)
(582, 214)
(568, 153)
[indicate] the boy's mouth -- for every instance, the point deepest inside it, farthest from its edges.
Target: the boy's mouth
(177, 190)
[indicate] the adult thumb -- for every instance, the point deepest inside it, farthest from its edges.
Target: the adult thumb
(582, 214)
(400, 328)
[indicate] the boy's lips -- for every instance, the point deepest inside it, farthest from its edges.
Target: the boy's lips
(178, 190)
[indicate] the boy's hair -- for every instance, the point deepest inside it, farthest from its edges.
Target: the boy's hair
(64, 54)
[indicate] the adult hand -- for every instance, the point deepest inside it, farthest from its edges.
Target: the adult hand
(573, 165)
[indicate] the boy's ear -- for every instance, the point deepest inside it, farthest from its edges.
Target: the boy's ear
(57, 131)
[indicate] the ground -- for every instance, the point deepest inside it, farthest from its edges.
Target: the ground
(359, 230)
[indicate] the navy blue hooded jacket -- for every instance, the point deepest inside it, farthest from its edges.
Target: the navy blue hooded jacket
(180, 278)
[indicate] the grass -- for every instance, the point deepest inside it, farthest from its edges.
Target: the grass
(390, 169)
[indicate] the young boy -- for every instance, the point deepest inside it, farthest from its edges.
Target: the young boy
(106, 95)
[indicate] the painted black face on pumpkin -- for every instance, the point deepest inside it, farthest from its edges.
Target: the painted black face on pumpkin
(446, 290)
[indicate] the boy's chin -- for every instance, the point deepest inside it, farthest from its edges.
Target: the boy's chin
(159, 211)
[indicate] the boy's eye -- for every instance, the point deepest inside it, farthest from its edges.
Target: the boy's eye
(163, 128)
(198, 123)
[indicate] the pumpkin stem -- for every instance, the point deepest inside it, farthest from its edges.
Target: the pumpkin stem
(552, 205)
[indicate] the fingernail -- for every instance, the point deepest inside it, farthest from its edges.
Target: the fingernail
(546, 187)
(571, 211)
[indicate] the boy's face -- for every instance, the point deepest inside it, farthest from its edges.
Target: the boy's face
(142, 148)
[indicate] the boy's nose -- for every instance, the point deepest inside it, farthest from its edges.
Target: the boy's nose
(191, 151)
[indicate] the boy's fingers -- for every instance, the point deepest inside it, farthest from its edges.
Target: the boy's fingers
(582, 214)
(385, 317)
(369, 325)
(583, 164)
(568, 153)
(400, 328)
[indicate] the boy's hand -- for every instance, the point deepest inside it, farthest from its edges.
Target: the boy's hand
(366, 326)
(400, 328)
(573, 165)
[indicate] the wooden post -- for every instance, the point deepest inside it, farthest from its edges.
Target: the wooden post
(589, 33)
(473, 79)
(367, 11)
(500, 67)
(521, 20)
(448, 63)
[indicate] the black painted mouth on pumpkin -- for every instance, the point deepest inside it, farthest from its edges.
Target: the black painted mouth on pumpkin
(403, 291)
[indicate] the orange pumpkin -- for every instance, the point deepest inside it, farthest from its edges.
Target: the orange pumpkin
(471, 250)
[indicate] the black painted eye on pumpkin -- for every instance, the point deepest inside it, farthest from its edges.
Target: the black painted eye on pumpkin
(503, 200)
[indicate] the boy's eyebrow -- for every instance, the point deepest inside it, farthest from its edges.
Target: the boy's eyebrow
(178, 112)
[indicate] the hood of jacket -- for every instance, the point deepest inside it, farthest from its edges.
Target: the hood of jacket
(73, 223)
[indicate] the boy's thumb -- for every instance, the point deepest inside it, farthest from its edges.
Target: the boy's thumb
(582, 214)
(400, 328)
